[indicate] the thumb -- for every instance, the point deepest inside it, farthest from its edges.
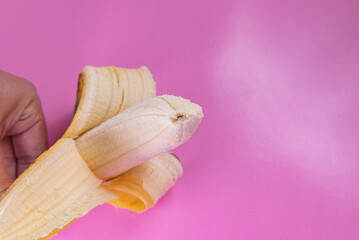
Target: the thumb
(5, 180)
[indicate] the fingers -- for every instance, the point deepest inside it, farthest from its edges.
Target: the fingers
(29, 144)
(5, 180)
(22, 120)
(7, 156)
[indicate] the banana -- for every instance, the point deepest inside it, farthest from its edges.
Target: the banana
(152, 127)
(103, 92)
(93, 87)
(141, 187)
(104, 142)
(53, 192)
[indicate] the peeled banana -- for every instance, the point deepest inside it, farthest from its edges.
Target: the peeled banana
(103, 156)
(93, 76)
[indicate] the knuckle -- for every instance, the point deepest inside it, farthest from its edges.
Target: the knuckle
(30, 87)
(27, 86)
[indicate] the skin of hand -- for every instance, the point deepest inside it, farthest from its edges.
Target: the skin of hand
(23, 135)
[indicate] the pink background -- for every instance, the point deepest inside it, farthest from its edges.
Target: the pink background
(276, 156)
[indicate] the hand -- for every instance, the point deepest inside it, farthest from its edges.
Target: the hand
(23, 135)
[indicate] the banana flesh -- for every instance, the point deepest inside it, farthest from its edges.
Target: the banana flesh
(141, 187)
(105, 91)
(57, 189)
(152, 127)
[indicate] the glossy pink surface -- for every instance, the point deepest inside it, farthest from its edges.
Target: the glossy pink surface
(276, 156)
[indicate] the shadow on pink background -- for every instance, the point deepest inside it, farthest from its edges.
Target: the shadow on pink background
(276, 156)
